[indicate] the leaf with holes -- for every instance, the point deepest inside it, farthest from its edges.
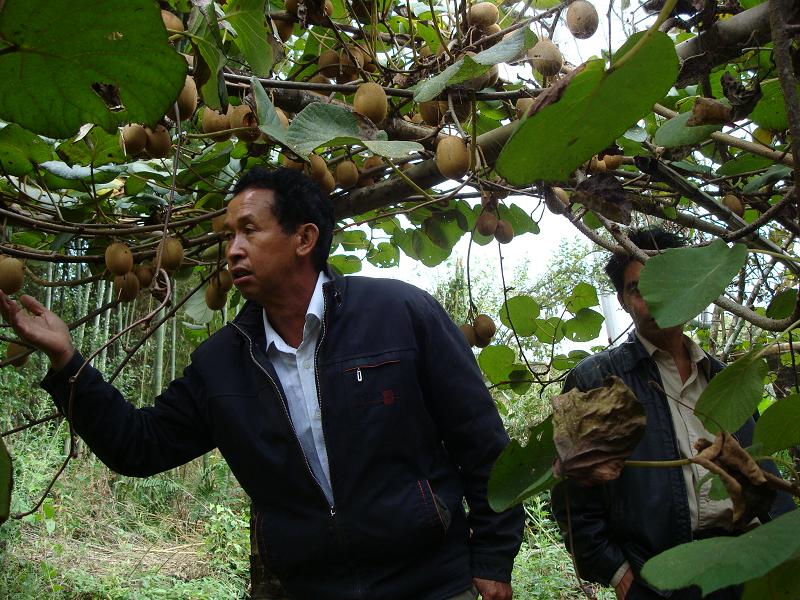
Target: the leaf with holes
(523, 471)
(120, 56)
(681, 282)
(324, 125)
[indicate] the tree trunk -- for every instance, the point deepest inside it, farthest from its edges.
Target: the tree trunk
(263, 584)
(158, 358)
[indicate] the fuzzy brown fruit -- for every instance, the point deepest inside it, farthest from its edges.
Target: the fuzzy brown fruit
(215, 298)
(327, 183)
(187, 101)
(119, 259)
(469, 333)
(484, 327)
(452, 157)
(582, 19)
(12, 275)
(346, 174)
(432, 112)
(287, 162)
(556, 200)
(170, 253)
(214, 121)
(328, 63)
(733, 204)
(126, 287)
(613, 161)
(504, 232)
(134, 139)
(159, 142)
(317, 167)
(483, 14)
(370, 101)
(242, 116)
(284, 29)
(373, 162)
(144, 273)
(222, 280)
(486, 224)
(546, 57)
(17, 354)
(172, 21)
(522, 106)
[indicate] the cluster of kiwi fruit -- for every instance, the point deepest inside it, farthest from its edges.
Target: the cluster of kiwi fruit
(343, 64)
(582, 21)
(219, 285)
(130, 278)
(480, 332)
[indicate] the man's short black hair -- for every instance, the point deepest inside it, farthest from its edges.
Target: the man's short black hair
(651, 238)
(298, 200)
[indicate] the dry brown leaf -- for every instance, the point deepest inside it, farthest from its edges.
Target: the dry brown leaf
(707, 111)
(596, 431)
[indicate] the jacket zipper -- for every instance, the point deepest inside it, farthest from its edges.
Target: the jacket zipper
(332, 506)
(288, 419)
(360, 376)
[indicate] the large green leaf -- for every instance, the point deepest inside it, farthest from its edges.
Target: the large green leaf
(320, 124)
(247, 19)
(770, 112)
(719, 562)
(676, 132)
(523, 311)
(779, 427)
(678, 284)
(209, 59)
(97, 148)
(52, 53)
(20, 150)
(523, 471)
(6, 482)
(584, 295)
(782, 583)
(596, 107)
(733, 395)
(782, 305)
(496, 362)
(584, 326)
(345, 264)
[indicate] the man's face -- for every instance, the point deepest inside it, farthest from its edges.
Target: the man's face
(260, 254)
(634, 304)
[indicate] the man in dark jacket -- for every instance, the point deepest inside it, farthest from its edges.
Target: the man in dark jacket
(351, 410)
(615, 528)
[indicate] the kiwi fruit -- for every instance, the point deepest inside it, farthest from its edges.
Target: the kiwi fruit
(523, 106)
(317, 167)
(486, 224)
(242, 116)
(17, 354)
(134, 139)
(373, 162)
(582, 19)
(319, 17)
(556, 200)
(215, 298)
(432, 112)
(187, 101)
(327, 183)
(144, 273)
(285, 29)
(483, 14)
(222, 279)
(504, 232)
(469, 333)
(288, 163)
(12, 275)
(172, 21)
(214, 121)
(126, 287)
(370, 101)
(733, 204)
(613, 161)
(546, 57)
(119, 259)
(492, 29)
(159, 142)
(484, 328)
(452, 157)
(328, 63)
(170, 252)
(597, 165)
(346, 174)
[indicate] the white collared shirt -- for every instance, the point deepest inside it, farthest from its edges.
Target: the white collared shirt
(295, 369)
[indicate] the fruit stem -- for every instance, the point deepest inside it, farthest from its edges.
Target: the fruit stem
(662, 16)
(658, 463)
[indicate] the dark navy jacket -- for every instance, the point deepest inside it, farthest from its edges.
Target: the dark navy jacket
(645, 511)
(409, 426)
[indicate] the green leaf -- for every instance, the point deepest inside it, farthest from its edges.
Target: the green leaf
(393, 149)
(354, 240)
(583, 295)
(268, 120)
(523, 311)
(552, 143)
(744, 163)
(324, 125)
(521, 221)
(496, 362)
(584, 326)
(676, 132)
(211, 60)
(345, 264)
(20, 150)
(97, 148)
(6, 482)
(197, 309)
(779, 427)
(719, 562)
(782, 583)
(549, 331)
(247, 19)
(782, 305)
(733, 395)
(385, 255)
(523, 471)
(561, 362)
(772, 175)
(770, 112)
(47, 41)
(679, 283)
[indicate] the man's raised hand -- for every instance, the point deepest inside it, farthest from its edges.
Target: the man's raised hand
(39, 327)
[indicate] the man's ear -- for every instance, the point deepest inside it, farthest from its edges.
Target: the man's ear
(307, 235)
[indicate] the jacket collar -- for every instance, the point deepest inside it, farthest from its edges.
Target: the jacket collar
(632, 352)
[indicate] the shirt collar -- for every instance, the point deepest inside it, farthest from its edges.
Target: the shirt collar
(316, 306)
(696, 354)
